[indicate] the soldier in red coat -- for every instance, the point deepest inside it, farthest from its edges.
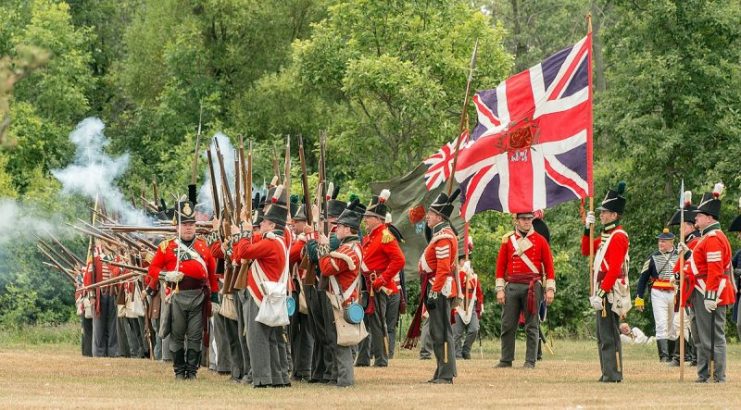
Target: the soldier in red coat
(440, 286)
(342, 267)
(382, 262)
(189, 268)
(467, 316)
(714, 289)
(524, 259)
(269, 255)
(611, 298)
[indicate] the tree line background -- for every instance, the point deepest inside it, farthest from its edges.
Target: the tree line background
(385, 79)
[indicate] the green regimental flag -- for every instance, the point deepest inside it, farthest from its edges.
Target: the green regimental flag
(409, 202)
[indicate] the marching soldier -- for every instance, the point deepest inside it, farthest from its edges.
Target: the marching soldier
(611, 281)
(466, 323)
(269, 257)
(524, 258)
(382, 262)
(710, 263)
(342, 266)
(188, 267)
(439, 281)
(658, 272)
(105, 334)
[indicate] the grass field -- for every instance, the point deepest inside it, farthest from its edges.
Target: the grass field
(55, 375)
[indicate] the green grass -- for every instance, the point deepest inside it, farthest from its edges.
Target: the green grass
(64, 334)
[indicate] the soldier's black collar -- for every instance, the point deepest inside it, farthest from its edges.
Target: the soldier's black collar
(439, 227)
(612, 225)
(694, 234)
(711, 228)
(349, 238)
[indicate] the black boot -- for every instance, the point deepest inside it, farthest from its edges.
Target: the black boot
(178, 364)
(663, 346)
(674, 349)
(192, 362)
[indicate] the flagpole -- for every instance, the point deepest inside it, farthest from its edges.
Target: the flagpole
(682, 201)
(463, 122)
(589, 170)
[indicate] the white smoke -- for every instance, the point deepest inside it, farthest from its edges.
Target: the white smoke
(20, 223)
(94, 173)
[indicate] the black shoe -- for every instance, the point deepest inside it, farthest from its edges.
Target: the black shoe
(610, 381)
(466, 356)
(440, 381)
(528, 365)
(280, 386)
(701, 380)
(192, 361)
(362, 365)
(261, 386)
(502, 365)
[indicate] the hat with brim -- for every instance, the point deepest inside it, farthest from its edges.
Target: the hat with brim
(614, 200)
(352, 215)
(184, 212)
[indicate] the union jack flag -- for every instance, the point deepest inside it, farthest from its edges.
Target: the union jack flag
(532, 146)
(440, 164)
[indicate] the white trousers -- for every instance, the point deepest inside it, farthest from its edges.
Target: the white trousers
(662, 303)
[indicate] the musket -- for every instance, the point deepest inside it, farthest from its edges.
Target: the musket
(229, 202)
(127, 266)
(237, 183)
(163, 229)
(240, 279)
(67, 273)
(64, 249)
(152, 207)
(70, 262)
(92, 228)
(113, 281)
(310, 276)
(214, 188)
(95, 235)
(287, 176)
(56, 264)
(103, 216)
(323, 180)
(194, 170)
(276, 167)
(246, 187)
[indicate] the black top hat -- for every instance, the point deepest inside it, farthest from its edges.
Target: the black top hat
(735, 225)
(614, 200)
(300, 214)
(377, 206)
(443, 205)
(185, 211)
(334, 205)
(541, 227)
(277, 211)
(352, 215)
(665, 235)
(710, 204)
(689, 211)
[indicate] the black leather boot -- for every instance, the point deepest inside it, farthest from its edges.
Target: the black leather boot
(178, 364)
(674, 350)
(193, 360)
(663, 346)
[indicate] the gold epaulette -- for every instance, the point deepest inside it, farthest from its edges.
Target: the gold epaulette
(506, 236)
(164, 244)
(386, 236)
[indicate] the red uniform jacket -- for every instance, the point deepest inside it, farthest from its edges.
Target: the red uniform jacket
(616, 253)
(166, 259)
(268, 254)
(382, 256)
(472, 289)
(710, 263)
(438, 262)
(344, 265)
(512, 267)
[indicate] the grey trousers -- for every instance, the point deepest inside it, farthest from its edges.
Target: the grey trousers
(105, 333)
(263, 345)
(516, 302)
(706, 321)
(374, 345)
(187, 320)
(465, 334)
(134, 337)
(392, 319)
(316, 318)
(223, 356)
(123, 339)
(441, 333)
(87, 336)
(157, 340)
(330, 372)
(302, 344)
(608, 343)
(240, 301)
(342, 366)
(425, 351)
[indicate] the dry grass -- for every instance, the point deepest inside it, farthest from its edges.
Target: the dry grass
(56, 376)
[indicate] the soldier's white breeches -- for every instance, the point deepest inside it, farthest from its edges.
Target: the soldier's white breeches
(662, 303)
(674, 331)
